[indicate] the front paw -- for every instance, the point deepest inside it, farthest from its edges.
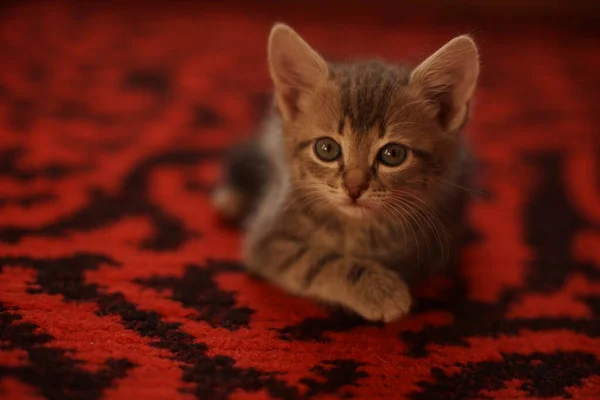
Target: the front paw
(380, 295)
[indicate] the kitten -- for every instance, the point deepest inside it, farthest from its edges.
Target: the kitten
(355, 188)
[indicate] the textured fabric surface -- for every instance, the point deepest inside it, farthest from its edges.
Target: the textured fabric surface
(117, 281)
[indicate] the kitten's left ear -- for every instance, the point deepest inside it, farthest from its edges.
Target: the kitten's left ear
(448, 79)
(295, 68)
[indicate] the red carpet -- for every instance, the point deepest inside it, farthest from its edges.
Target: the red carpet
(118, 282)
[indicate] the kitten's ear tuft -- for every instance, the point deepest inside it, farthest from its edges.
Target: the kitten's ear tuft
(295, 68)
(448, 79)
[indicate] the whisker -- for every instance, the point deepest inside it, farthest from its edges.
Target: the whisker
(417, 217)
(402, 212)
(385, 208)
(434, 223)
(481, 193)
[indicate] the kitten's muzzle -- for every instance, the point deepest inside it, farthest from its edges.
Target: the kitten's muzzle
(356, 182)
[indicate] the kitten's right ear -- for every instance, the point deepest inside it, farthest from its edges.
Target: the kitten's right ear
(295, 68)
(447, 80)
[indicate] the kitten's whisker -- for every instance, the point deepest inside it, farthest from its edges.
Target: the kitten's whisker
(425, 204)
(305, 200)
(434, 217)
(385, 208)
(434, 223)
(417, 217)
(425, 217)
(402, 212)
(304, 196)
(476, 192)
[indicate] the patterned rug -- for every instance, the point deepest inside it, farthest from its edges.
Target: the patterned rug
(117, 280)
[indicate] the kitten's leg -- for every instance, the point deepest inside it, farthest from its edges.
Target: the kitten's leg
(230, 202)
(363, 286)
(245, 174)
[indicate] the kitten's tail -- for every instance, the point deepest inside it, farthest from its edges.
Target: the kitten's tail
(245, 176)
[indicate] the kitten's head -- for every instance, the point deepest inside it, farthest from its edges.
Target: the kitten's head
(371, 137)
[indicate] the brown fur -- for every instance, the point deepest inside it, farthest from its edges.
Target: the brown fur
(304, 232)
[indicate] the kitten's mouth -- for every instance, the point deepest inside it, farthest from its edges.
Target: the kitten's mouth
(354, 209)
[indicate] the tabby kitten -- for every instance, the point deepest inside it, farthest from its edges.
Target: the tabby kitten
(354, 189)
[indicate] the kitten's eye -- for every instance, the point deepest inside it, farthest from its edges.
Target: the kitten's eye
(392, 154)
(327, 149)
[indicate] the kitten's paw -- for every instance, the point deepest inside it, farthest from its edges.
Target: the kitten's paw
(381, 296)
(228, 202)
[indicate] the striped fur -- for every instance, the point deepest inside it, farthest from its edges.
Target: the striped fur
(302, 231)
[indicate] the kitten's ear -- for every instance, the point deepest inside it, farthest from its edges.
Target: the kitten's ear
(295, 68)
(448, 79)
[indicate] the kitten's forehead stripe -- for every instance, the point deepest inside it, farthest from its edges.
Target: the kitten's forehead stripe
(381, 132)
(341, 126)
(366, 90)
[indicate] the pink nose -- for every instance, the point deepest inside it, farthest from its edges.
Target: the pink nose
(356, 182)
(356, 191)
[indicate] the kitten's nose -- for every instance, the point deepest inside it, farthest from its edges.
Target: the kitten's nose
(356, 182)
